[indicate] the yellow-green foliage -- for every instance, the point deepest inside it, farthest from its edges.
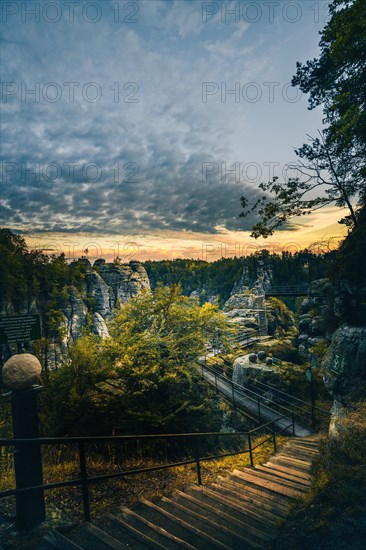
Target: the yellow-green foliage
(142, 379)
(280, 318)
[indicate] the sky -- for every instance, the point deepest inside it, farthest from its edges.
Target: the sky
(133, 128)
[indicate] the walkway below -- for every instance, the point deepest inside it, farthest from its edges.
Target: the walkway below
(241, 511)
(243, 399)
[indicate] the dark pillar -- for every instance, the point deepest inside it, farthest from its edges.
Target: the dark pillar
(30, 507)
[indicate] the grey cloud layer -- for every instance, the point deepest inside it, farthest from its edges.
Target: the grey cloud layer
(169, 133)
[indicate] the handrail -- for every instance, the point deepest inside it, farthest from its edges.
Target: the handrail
(105, 439)
(281, 392)
(240, 388)
(291, 396)
(300, 412)
(85, 479)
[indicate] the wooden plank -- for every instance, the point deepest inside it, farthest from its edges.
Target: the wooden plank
(135, 533)
(60, 541)
(215, 543)
(103, 537)
(160, 530)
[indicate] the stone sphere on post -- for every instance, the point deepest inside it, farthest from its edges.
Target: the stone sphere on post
(21, 371)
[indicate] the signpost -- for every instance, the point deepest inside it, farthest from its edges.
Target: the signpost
(20, 328)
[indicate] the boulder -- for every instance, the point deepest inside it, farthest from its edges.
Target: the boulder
(261, 355)
(21, 371)
(244, 369)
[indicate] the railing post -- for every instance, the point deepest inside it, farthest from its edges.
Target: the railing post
(250, 449)
(259, 409)
(198, 463)
(84, 480)
(274, 437)
(293, 423)
(30, 507)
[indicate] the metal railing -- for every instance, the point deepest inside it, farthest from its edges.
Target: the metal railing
(84, 479)
(283, 404)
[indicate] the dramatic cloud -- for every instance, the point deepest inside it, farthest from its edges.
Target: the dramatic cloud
(132, 127)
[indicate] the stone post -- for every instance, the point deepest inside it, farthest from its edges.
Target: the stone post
(20, 374)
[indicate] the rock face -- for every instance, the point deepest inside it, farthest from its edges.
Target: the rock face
(105, 286)
(203, 295)
(99, 326)
(75, 315)
(98, 289)
(246, 305)
(311, 324)
(345, 365)
(21, 371)
(124, 281)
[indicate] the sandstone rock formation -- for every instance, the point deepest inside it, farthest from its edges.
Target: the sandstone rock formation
(99, 326)
(345, 365)
(104, 287)
(312, 327)
(253, 367)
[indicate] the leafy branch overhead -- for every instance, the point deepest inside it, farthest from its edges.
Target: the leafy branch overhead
(331, 168)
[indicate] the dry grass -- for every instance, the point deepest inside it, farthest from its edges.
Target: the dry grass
(332, 515)
(64, 506)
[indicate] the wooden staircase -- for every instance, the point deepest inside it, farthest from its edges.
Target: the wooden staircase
(240, 511)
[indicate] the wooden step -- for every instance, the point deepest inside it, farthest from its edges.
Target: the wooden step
(309, 455)
(221, 512)
(241, 487)
(301, 462)
(155, 532)
(135, 539)
(314, 438)
(253, 479)
(278, 474)
(241, 508)
(294, 462)
(290, 470)
(222, 515)
(61, 542)
(273, 509)
(237, 489)
(219, 532)
(187, 530)
(286, 483)
(301, 455)
(286, 452)
(311, 445)
(90, 537)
